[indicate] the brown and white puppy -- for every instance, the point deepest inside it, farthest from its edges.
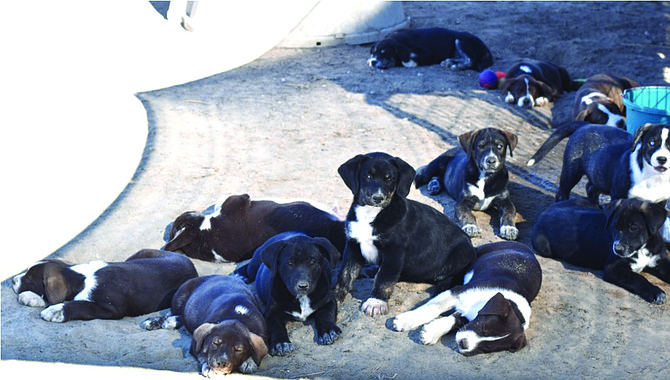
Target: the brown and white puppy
(238, 226)
(531, 83)
(224, 317)
(142, 284)
(599, 100)
(492, 305)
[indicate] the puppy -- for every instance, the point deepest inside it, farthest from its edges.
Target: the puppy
(223, 316)
(622, 241)
(410, 241)
(239, 226)
(531, 83)
(142, 284)
(492, 305)
(293, 280)
(599, 100)
(431, 46)
(475, 176)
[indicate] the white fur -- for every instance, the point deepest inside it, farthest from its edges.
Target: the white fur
(437, 328)
(241, 310)
(644, 259)
(305, 308)
(90, 282)
(31, 299)
(207, 222)
(478, 191)
(53, 313)
(612, 118)
(410, 64)
(588, 99)
(525, 69)
(472, 340)
(218, 258)
(468, 277)
(361, 230)
(509, 98)
(374, 306)
(519, 101)
(647, 183)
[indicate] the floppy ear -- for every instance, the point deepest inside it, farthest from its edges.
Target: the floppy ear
(350, 172)
(328, 250)
(546, 90)
(403, 52)
(611, 210)
(55, 284)
(467, 139)
(236, 203)
(497, 305)
(504, 86)
(511, 141)
(270, 255)
(581, 116)
(405, 176)
(639, 133)
(654, 215)
(199, 336)
(259, 346)
(181, 237)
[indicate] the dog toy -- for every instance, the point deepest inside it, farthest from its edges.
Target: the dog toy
(489, 78)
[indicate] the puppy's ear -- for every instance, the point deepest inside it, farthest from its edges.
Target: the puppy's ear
(654, 214)
(467, 140)
(405, 176)
(546, 90)
(403, 52)
(270, 255)
(497, 305)
(199, 336)
(328, 250)
(183, 232)
(55, 285)
(511, 141)
(236, 203)
(350, 172)
(611, 211)
(639, 133)
(259, 347)
(505, 85)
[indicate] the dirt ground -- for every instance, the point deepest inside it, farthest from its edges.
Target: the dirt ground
(280, 126)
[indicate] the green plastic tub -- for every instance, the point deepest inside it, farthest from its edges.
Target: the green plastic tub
(646, 105)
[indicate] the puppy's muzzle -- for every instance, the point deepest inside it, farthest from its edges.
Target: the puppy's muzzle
(302, 287)
(490, 163)
(621, 250)
(662, 164)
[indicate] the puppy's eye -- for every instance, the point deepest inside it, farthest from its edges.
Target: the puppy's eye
(388, 178)
(652, 143)
(217, 342)
(238, 348)
(499, 146)
(633, 228)
(289, 263)
(368, 177)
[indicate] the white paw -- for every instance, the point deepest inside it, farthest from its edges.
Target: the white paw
(429, 336)
(207, 371)
(31, 299)
(541, 101)
(53, 313)
(472, 230)
(509, 98)
(432, 332)
(249, 366)
(373, 307)
(509, 232)
(604, 200)
(404, 322)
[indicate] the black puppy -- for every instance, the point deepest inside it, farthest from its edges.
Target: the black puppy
(142, 284)
(475, 176)
(293, 280)
(410, 241)
(223, 316)
(599, 100)
(492, 307)
(622, 241)
(530, 83)
(431, 46)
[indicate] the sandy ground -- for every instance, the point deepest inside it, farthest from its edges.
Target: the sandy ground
(280, 126)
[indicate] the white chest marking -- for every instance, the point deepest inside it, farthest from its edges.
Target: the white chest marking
(305, 308)
(361, 230)
(647, 183)
(643, 260)
(90, 282)
(241, 310)
(478, 191)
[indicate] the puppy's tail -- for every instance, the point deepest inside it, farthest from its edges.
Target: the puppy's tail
(435, 168)
(559, 134)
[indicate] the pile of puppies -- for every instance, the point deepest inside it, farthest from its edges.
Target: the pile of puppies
(293, 248)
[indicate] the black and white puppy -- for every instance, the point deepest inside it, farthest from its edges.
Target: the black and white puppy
(223, 315)
(475, 176)
(142, 284)
(293, 280)
(430, 46)
(410, 241)
(622, 241)
(599, 100)
(531, 83)
(492, 307)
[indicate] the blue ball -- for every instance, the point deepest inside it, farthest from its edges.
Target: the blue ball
(488, 79)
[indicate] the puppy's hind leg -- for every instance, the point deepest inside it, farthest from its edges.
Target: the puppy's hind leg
(461, 61)
(425, 313)
(433, 331)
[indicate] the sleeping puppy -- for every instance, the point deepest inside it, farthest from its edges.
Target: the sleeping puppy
(599, 100)
(492, 307)
(531, 83)
(622, 241)
(239, 226)
(223, 316)
(475, 176)
(431, 46)
(142, 284)
(293, 280)
(410, 241)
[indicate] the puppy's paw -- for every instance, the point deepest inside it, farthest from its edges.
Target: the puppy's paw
(53, 313)
(434, 186)
(249, 366)
(282, 349)
(429, 336)
(509, 232)
(655, 295)
(604, 200)
(373, 307)
(208, 372)
(472, 230)
(154, 323)
(339, 293)
(31, 299)
(329, 337)
(541, 101)
(404, 322)
(432, 332)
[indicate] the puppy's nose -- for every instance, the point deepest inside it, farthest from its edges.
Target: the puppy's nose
(490, 160)
(526, 102)
(377, 199)
(662, 160)
(302, 285)
(618, 248)
(463, 344)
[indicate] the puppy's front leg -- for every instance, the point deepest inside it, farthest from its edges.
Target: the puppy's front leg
(465, 218)
(387, 276)
(352, 263)
(508, 230)
(78, 310)
(425, 313)
(279, 343)
(324, 320)
(661, 269)
(619, 273)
